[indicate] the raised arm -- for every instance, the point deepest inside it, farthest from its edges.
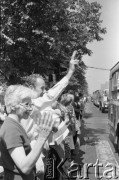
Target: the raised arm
(52, 94)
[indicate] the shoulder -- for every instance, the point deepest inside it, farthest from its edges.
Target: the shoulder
(10, 128)
(12, 134)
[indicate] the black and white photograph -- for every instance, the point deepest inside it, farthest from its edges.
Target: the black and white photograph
(59, 89)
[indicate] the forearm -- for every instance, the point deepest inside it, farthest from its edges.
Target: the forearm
(69, 74)
(29, 162)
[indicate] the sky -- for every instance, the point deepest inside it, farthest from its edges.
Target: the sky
(105, 53)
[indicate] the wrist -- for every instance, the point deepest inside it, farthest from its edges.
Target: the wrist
(42, 139)
(71, 69)
(70, 73)
(44, 134)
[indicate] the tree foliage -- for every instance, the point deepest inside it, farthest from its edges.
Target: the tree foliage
(40, 36)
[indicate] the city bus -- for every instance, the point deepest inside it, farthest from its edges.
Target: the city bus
(113, 109)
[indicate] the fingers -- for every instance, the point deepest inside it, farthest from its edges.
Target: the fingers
(38, 118)
(73, 55)
(47, 120)
(76, 61)
(42, 118)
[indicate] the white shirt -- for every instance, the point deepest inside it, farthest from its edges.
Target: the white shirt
(51, 95)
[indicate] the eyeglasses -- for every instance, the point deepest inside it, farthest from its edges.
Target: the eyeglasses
(27, 105)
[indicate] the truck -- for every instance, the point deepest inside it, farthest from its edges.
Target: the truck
(103, 100)
(113, 109)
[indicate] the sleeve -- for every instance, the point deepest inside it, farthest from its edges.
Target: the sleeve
(13, 138)
(50, 96)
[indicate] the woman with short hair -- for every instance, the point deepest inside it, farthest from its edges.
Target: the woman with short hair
(18, 160)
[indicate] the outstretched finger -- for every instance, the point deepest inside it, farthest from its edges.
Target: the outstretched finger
(43, 117)
(50, 120)
(38, 118)
(73, 55)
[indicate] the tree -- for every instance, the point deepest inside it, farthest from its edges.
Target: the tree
(36, 35)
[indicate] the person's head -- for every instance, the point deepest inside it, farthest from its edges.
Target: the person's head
(18, 100)
(37, 82)
(66, 99)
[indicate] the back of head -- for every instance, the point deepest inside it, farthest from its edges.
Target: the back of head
(15, 94)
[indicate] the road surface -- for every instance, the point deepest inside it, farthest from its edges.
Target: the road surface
(96, 147)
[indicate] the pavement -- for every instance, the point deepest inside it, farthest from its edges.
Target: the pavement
(96, 157)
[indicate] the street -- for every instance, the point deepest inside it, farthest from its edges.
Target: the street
(96, 147)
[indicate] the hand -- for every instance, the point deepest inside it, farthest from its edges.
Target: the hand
(73, 61)
(46, 125)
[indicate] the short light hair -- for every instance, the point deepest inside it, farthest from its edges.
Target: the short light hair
(31, 80)
(15, 94)
(66, 99)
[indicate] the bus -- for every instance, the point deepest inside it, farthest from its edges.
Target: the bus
(113, 108)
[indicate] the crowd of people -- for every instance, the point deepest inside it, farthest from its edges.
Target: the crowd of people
(40, 126)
